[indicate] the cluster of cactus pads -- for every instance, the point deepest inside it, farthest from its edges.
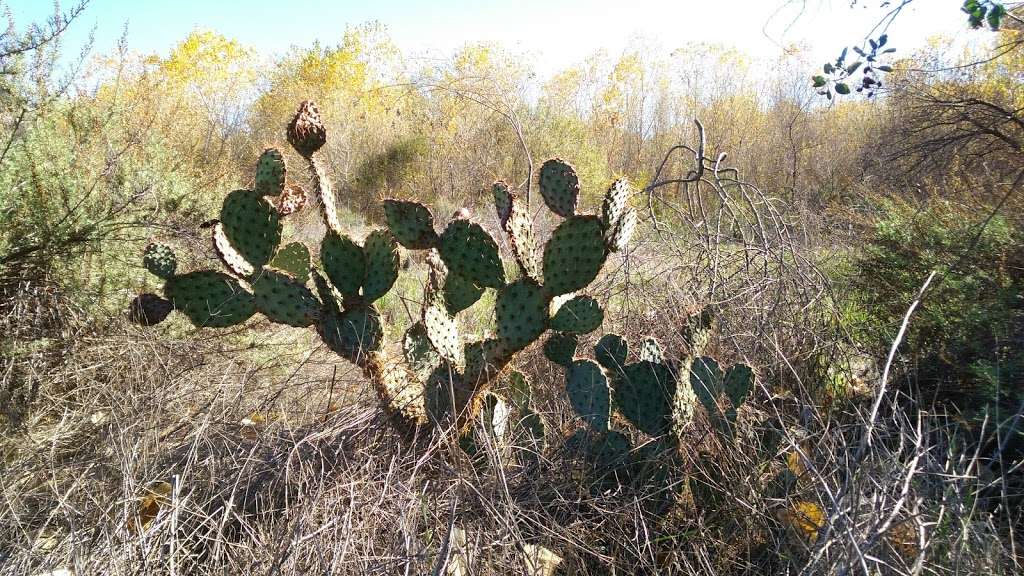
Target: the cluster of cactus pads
(658, 396)
(443, 378)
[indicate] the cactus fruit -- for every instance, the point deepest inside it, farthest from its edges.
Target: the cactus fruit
(292, 199)
(442, 376)
(574, 255)
(149, 309)
(470, 251)
(306, 132)
(579, 315)
(560, 187)
(560, 348)
(160, 260)
(271, 171)
(411, 223)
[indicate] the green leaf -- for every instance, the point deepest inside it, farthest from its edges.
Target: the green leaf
(842, 88)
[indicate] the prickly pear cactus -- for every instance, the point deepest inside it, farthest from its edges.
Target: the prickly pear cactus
(350, 275)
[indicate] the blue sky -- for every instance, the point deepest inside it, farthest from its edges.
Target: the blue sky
(551, 33)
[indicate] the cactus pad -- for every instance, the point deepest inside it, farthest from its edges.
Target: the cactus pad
(283, 299)
(344, 262)
(519, 389)
(330, 297)
(698, 330)
(521, 311)
(650, 350)
(580, 315)
(587, 387)
(306, 132)
(381, 264)
(519, 227)
(419, 352)
(483, 359)
(270, 172)
(443, 333)
(561, 348)
(149, 309)
(460, 293)
(622, 233)
(644, 393)
(411, 223)
(706, 381)
(294, 259)
(251, 225)
(468, 250)
(160, 260)
(292, 199)
(739, 379)
(210, 299)
(353, 333)
(614, 204)
(230, 257)
(560, 187)
(502, 201)
(574, 255)
(611, 352)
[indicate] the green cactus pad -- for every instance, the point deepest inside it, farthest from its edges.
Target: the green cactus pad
(521, 311)
(495, 415)
(344, 262)
(623, 233)
(561, 348)
(160, 260)
(285, 300)
(614, 205)
(484, 359)
(739, 379)
(644, 394)
(419, 352)
(605, 451)
(580, 315)
(587, 386)
(519, 228)
(252, 226)
(706, 382)
(271, 171)
(560, 187)
(230, 257)
(330, 297)
(293, 258)
(443, 333)
(460, 293)
(574, 255)
(502, 200)
(411, 223)
(468, 250)
(650, 350)
(149, 309)
(611, 352)
(698, 331)
(519, 391)
(210, 299)
(353, 333)
(381, 264)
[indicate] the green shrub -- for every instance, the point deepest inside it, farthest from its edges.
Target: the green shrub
(964, 343)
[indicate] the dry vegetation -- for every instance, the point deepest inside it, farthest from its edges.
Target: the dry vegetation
(876, 441)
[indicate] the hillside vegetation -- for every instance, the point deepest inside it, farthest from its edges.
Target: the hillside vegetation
(657, 313)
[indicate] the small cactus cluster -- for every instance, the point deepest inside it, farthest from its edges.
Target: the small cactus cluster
(656, 395)
(443, 378)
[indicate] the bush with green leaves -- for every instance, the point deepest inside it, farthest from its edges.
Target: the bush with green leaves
(965, 343)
